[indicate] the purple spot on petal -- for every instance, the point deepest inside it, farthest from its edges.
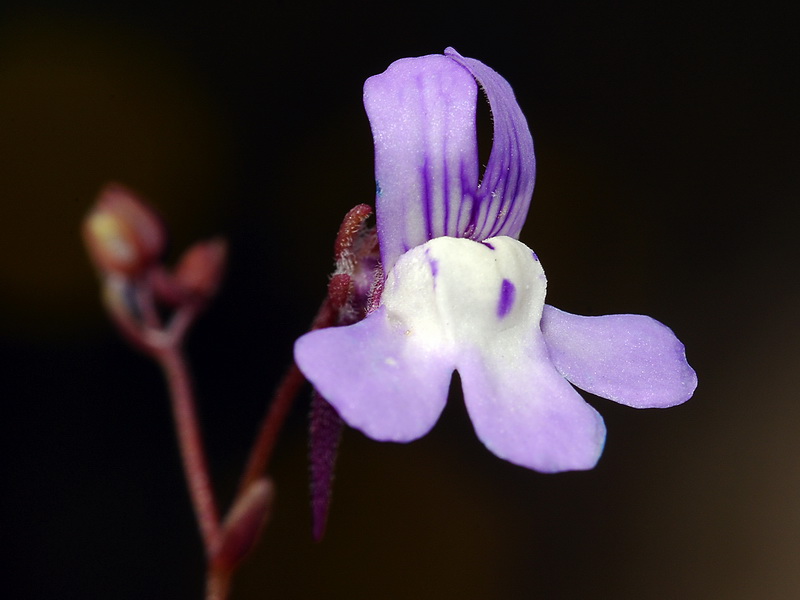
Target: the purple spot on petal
(536, 258)
(434, 266)
(507, 291)
(488, 245)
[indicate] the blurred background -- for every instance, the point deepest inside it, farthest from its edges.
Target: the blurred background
(667, 141)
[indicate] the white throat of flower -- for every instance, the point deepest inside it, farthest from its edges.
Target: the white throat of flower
(459, 293)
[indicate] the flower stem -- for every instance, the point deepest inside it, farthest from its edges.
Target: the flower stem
(282, 400)
(187, 428)
(267, 437)
(218, 585)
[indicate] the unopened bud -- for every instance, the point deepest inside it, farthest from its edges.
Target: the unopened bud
(122, 233)
(119, 298)
(200, 269)
(244, 524)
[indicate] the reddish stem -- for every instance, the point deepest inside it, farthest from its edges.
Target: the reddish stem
(271, 426)
(339, 291)
(187, 428)
(165, 345)
(218, 584)
(284, 396)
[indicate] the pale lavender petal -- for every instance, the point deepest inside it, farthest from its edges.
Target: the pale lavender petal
(378, 380)
(525, 412)
(422, 114)
(631, 359)
(504, 195)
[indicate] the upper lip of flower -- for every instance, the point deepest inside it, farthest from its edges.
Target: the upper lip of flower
(447, 305)
(422, 113)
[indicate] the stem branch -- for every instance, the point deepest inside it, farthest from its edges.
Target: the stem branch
(187, 429)
(285, 394)
(262, 449)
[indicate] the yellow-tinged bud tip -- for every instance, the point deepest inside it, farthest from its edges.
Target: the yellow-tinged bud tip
(123, 235)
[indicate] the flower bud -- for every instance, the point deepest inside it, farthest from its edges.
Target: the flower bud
(201, 267)
(244, 523)
(122, 233)
(119, 298)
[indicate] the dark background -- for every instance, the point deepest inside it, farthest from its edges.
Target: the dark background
(667, 145)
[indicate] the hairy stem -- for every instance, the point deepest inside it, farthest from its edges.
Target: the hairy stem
(282, 400)
(271, 426)
(187, 428)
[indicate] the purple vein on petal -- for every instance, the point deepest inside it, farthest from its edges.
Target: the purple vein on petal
(503, 197)
(427, 200)
(422, 114)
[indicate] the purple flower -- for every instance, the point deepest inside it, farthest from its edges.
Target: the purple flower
(462, 293)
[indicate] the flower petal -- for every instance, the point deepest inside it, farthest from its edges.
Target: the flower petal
(422, 114)
(378, 379)
(631, 359)
(525, 412)
(481, 303)
(502, 201)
